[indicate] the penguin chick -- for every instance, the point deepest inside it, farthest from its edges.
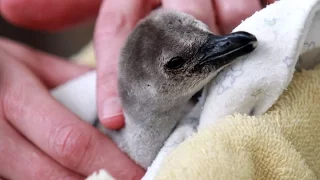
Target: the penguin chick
(168, 58)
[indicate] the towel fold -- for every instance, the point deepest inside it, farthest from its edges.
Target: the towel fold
(282, 144)
(284, 30)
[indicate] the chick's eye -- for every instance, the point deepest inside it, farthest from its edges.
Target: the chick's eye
(175, 63)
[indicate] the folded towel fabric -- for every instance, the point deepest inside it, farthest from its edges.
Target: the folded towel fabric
(284, 143)
(284, 30)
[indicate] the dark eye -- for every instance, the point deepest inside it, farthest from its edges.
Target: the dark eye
(175, 63)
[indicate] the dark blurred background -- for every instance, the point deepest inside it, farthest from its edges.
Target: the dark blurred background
(64, 43)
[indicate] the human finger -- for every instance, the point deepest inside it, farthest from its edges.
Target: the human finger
(201, 9)
(52, 70)
(71, 142)
(115, 21)
(21, 160)
(48, 15)
(230, 13)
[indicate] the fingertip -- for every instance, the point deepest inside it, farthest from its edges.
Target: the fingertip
(231, 13)
(113, 123)
(111, 115)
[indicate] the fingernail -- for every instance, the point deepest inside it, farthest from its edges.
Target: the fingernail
(111, 108)
(116, 122)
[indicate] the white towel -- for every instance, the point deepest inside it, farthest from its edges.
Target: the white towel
(284, 30)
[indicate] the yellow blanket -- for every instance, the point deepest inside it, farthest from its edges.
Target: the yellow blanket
(284, 143)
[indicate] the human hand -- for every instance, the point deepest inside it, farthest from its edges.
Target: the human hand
(116, 20)
(39, 138)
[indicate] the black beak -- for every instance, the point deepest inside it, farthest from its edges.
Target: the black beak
(222, 50)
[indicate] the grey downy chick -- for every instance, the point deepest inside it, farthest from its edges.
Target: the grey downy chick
(168, 58)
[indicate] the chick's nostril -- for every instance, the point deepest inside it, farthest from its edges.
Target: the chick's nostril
(225, 44)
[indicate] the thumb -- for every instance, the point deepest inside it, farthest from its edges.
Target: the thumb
(115, 21)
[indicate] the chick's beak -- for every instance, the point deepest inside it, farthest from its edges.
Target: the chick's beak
(222, 50)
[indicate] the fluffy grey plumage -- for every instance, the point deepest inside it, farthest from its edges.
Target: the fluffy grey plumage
(167, 59)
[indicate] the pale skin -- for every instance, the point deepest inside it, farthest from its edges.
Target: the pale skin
(41, 139)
